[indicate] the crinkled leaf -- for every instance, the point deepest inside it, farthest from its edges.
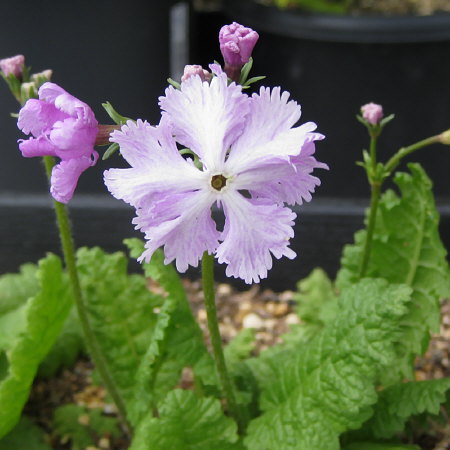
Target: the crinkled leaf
(17, 288)
(122, 315)
(183, 339)
(315, 392)
(316, 299)
(240, 347)
(399, 402)
(45, 316)
(25, 436)
(83, 426)
(378, 446)
(187, 422)
(406, 249)
(66, 349)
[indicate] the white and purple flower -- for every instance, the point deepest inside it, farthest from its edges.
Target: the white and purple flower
(252, 162)
(61, 126)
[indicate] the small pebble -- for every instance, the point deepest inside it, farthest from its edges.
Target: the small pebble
(252, 321)
(292, 319)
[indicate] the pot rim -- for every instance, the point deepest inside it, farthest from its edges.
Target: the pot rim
(337, 28)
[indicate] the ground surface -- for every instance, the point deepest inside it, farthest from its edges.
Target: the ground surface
(269, 313)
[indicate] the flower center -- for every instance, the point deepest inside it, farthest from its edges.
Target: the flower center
(218, 182)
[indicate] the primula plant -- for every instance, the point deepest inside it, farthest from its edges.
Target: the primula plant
(341, 378)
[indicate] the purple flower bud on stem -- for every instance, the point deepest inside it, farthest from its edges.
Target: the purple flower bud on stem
(236, 44)
(191, 70)
(13, 65)
(372, 112)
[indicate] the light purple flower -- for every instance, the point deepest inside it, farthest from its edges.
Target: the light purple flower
(236, 44)
(13, 65)
(191, 70)
(61, 126)
(253, 161)
(372, 112)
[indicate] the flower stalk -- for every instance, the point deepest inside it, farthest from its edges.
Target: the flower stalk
(68, 249)
(214, 333)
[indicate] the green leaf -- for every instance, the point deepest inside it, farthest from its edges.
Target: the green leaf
(240, 347)
(378, 446)
(316, 298)
(83, 426)
(187, 422)
(17, 288)
(399, 402)
(318, 390)
(25, 436)
(178, 340)
(406, 249)
(66, 349)
(122, 314)
(45, 316)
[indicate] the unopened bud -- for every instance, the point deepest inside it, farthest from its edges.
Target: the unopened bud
(191, 70)
(42, 77)
(13, 65)
(444, 137)
(372, 112)
(28, 90)
(236, 44)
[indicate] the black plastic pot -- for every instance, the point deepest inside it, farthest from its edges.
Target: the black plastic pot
(334, 64)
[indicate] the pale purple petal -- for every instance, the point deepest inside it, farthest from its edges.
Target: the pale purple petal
(65, 176)
(254, 231)
(157, 166)
(73, 138)
(207, 118)
(288, 181)
(40, 146)
(37, 117)
(268, 132)
(183, 225)
(72, 106)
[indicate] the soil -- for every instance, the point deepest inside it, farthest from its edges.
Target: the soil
(270, 314)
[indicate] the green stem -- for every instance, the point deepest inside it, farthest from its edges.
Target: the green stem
(374, 200)
(216, 341)
(404, 151)
(67, 244)
(375, 186)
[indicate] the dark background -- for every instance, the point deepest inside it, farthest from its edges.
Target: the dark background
(124, 52)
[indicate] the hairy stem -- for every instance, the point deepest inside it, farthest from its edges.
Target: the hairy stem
(216, 340)
(404, 151)
(68, 249)
(375, 188)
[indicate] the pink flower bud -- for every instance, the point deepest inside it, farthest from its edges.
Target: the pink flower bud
(195, 69)
(12, 65)
(45, 75)
(236, 44)
(372, 112)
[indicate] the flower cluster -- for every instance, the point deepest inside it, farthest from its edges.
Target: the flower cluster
(253, 161)
(62, 126)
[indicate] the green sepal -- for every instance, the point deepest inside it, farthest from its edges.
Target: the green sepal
(254, 80)
(174, 83)
(245, 71)
(115, 116)
(110, 151)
